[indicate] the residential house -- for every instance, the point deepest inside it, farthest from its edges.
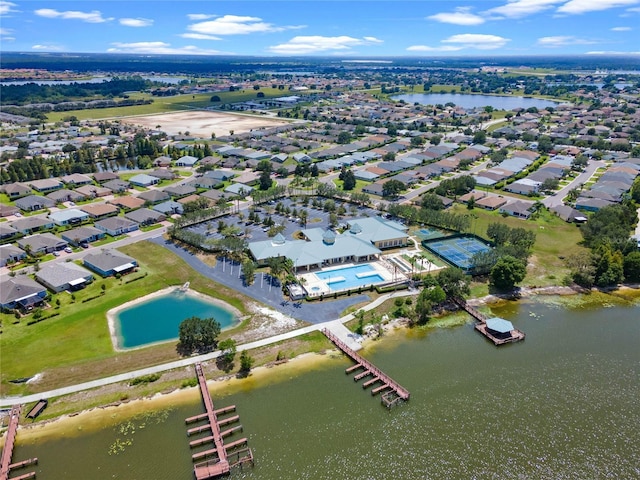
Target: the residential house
(65, 195)
(34, 224)
(33, 203)
(8, 210)
(59, 277)
(518, 209)
(163, 174)
(46, 185)
(186, 161)
(144, 180)
(93, 191)
(21, 292)
(98, 211)
(115, 226)
(169, 208)
(117, 186)
(82, 235)
(109, 262)
(154, 196)
(491, 202)
(11, 254)
(102, 177)
(70, 216)
(16, 190)
(7, 231)
(179, 191)
(127, 202)
(145, 216)
(42, 243)
(76, 179)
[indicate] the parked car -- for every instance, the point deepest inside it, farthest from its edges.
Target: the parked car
(56, 253)
(68, 250)
(84, 245)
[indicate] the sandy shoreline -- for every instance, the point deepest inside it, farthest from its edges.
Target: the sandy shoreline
(111, 314)
(110, 415)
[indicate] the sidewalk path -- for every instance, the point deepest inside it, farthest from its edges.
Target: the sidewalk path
(334, 326)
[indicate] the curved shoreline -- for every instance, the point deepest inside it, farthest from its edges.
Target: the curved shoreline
(111, 314)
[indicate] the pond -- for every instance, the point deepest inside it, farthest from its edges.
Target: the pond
(157, 319)
(475, 101)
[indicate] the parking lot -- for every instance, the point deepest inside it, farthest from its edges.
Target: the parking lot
(257, 231)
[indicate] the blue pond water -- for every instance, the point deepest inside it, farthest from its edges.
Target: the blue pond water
(350, 277)
(158, 319)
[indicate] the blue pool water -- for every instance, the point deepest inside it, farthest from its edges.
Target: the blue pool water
(350, 277)
(158, 319)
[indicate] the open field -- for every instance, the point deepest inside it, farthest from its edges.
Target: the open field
(75, 346)
(203, 123)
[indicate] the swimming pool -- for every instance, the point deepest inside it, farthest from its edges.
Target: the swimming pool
(350, 277)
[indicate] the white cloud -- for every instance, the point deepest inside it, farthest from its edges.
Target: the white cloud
(90, 17)
(47, 48)
(5, 31)
(236, 25)
(466, 40)
(7, 7)
(612, 53)
(461, 16)
(522, 8)
(426, 48)
(199, 36)
(621, 29)
(158, 48)
(583, 6)
(136, 22)
(562, 41)
(303, 45)
(199, 16)
(478, 41)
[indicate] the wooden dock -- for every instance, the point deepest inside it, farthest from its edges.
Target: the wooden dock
(391, 391)
(515, 335)
(221, 465)
(7, 452)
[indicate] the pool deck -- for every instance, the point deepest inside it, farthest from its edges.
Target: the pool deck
(316, 286)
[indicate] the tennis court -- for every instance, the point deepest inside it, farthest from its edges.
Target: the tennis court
(458, 251)
(428, 234)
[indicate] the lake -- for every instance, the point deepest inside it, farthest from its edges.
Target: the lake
(171, 80)
(475, 101)
(563, 404)
(158, 319)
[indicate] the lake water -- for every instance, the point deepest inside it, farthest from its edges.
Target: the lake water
(158, 319)
(563, 404)
(171, 80)
(475, 101)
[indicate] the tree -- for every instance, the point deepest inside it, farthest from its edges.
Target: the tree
(507, 272)
(549, 184)
(349, 180)
(432, 201)
(498, 233)
(215, 98)
(265, 180)
(392, 188)
(198, 335)
(227, 354)
(454, 282)
(480, 137)
(632, 267)
(246, 362)
(428, 298)
(344, 138)
(248, 272)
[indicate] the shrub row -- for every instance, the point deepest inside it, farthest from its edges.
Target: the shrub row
(34, 321)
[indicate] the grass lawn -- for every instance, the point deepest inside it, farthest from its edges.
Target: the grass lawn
(165, 105)
(555, 239)
(76, 346)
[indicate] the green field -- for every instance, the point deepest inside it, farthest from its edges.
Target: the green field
(166, 104)
(75, 346)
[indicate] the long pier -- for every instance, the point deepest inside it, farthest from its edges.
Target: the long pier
(515, 335)
(7, 452)
(221, 465)
(390, 390)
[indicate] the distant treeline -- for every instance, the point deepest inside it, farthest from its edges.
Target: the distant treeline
(189, 64)
(33, 93)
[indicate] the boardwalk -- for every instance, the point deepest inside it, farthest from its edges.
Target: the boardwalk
(514, 335)
(391, 391)
(221, 465)
(7, 452)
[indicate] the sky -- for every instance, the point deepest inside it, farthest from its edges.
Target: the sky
(366, 28)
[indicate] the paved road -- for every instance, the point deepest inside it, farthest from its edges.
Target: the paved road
(556, 199)
(123, 377)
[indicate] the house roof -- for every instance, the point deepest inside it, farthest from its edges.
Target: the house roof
(34, 201)
(115, 223)
(18, 288)
(143, 179)
(41, 241)
(143, 215)
(499, 325)
(69, 214)
(59, 274)
(99, 209)
(154, 196)
(108, 259)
